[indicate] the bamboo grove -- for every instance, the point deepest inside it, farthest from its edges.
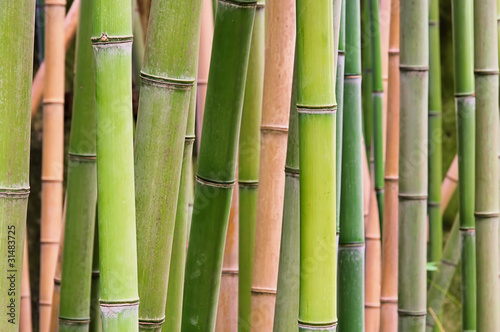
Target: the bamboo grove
(249, 165)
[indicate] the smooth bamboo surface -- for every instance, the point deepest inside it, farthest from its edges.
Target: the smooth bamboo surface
(278, 76)
(449, 184)
(385, 27)
(25, 322)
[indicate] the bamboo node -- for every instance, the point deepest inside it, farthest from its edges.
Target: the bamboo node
(230, 271)
(55, 3)
(447, 262)
(372, 305)
(105, 39)
(276, 129)
(433, 204)
(237, 3)
(348, 76)
(314, 327)
(248, 184)
(466, 229)
(167, 82)
(73, 321)
(384, 299)
(15, 192)
(486, 215)
(413, 68)
(412, 197)
(435, 113)
(117, 304)
(211, 183)
(293, 172)
(189, 138)
(259, 290)
(96, 274)
(485, 72)
(151, 323)
(82, 157)
(414, 313)
(53, 101)
(391, 178)
(320, 110)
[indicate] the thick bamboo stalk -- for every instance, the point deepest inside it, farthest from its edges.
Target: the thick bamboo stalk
(112, 42)
(449, 184)
(367, 82)
(206, 39)
(81, 195)
(278, 77)
(25, 323)
(389, 287)
(227, 308)
(351, 243)
(339, 92)
(463, 54)
(248, 167)
(52, 154)
(217, 163)
(486, 178)
(95, 315)
(287, 295)
(414, 62)
(17, 24)
(70, 24)
(442, 278)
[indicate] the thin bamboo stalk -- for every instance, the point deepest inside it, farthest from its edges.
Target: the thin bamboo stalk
(449, 184)
(70, 24)
(385, 21)
(217, 163)
(144, 7)
(17, 24)
(414, 62)
(367, 82)
(287, 295)
(389, 287)
(40, 28)
(227, 308)
(112, 42)
(25, 323)
(95, 315)
(339, 92)
(52, 154)
(278, 77)
(441, 280)
(486, 178)
(463, 54)
(351, 243)
(138, 43)
(248, 167)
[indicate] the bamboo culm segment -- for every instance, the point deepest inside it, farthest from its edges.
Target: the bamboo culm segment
(248, 167)
(414, 61)
(112, 42)
(486, 177)
(15, 93)
(351, 241)
(95, 315)
(463, 51)
(339, 94)
(216, 163)
(168, 76)
(367, 82)
(74, 308)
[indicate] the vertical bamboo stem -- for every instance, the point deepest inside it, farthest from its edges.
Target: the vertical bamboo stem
(385, 22)
(449, 184)
(367, 82)
(25, 323)
(138, 43)
(95, 315)
(339, 92)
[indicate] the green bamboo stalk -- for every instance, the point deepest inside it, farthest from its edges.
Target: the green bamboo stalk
(463, 52)
(339, 94)
(217, 162)
(173, 309)
(248, 166)
(16, 70)
(442, 278)
(168, 76)
(486, 193)
(377, 108)
(367, 82)
(74, 307)
(112, 42)
(317, 106)
(414, 62)
(95, 316)
(287, 296)
(351, 244)
(435, 136)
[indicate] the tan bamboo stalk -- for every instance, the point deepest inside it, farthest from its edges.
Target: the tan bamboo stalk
(279, 58)
(25, 323)
(52, 154)
(389, 286)
(384, 19)
(450, 184)
(206, 37)
(227, 308)
(70, 24)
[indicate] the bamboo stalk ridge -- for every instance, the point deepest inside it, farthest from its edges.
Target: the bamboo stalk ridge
(287, 295)
(449, 184)
(70, 24)
(463, 53)
(442, 278)
(25, 322)
(486, 178)
(168, 77)
(217, 163)
(367, 82)
(95, 315)
(227, 308)
(81, 194)
(112, 43)
(389, 287)
(414, 64)
(248, 168)
(278, 77)
(15, 79)
(52, 154)
(351, 260)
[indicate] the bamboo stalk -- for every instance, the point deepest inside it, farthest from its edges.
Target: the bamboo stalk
(168, 75)
(52, 154)
(339, 93)
(248, 167)
(112, 42)
(414, 62)
(138, 43)
(40, 28)
(449, 184)
(95, 315)
(227, 311)
(216, 163)
(367, 82)
(144, 7)
(486, 178)
(70, 24)
(351, 242)
(17, 19)
(25, 323)
(389, 287)
(463, 53)
(278, 77)
(385, 22)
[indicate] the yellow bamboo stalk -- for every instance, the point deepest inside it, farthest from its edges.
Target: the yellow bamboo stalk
(52, 154)
(385, 19)
(25, 323)
(449, 185)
